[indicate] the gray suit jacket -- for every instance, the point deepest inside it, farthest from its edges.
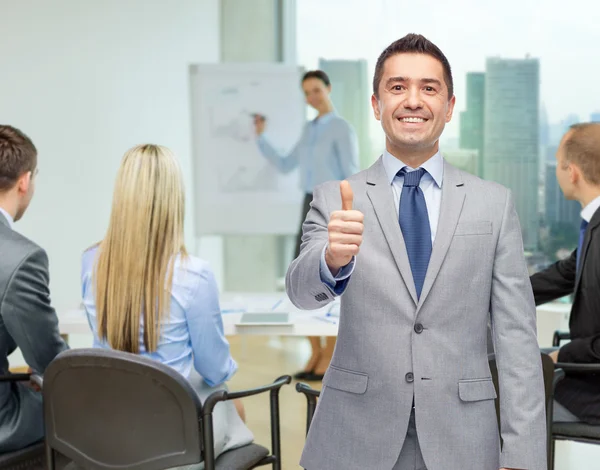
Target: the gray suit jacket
(27, 321)
(392, 347)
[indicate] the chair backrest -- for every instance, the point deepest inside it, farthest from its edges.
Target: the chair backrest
(548, 371)
(31, 458)
(114, 410)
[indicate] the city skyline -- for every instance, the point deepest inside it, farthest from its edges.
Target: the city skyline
(467, 43)
(525, 114)
(471, 120)
(521, 144)
(511, 136)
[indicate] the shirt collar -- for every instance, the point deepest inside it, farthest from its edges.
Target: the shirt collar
(588, 211)
(434, 166)
(8, 217)
(325, 118)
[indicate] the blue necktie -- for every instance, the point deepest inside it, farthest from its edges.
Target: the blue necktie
(414, 223)
(584, 225)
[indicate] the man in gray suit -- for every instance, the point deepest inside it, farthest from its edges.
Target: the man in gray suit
(27, 320)
(441, 253)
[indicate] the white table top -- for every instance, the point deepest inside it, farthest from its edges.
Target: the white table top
(233, 305)
(304, 323)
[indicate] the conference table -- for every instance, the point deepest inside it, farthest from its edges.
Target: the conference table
(321, 322)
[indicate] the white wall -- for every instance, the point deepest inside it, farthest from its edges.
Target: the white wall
(86, 80)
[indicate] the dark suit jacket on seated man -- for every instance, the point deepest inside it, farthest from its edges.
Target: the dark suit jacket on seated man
(27, 320)
(578, 174)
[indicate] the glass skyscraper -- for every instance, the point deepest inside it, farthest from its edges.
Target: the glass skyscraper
(511, 136)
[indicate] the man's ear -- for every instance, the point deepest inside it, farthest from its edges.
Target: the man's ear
(24, 182)
(451, 104)
(375, 105)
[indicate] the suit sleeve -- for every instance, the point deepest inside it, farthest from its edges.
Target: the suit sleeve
(556, 281)
(586, 350)
(513, 318)
(581, 350)
(28, 314)
(304, 285)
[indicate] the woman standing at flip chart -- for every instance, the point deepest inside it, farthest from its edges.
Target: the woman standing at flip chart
(327, 150)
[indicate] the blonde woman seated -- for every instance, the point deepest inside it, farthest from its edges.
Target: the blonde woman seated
(144, 294)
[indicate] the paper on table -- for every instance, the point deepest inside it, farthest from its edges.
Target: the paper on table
(257, 303)
(272, 303)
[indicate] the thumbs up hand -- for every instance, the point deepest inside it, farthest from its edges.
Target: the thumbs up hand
(345, 232)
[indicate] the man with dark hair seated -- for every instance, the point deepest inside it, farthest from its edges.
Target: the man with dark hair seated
(27, 320)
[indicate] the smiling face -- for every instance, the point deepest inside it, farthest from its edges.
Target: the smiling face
(412, 104)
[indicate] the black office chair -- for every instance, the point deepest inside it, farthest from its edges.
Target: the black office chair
(311, 401)
(107, 409)
(577, 432)
(548, 372)
(31, 457)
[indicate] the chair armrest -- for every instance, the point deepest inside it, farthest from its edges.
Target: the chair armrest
(15, 377)
(571, 367)
(37, 380)
(559, 374)
(311, 401)
(224, 395)
(307, 390)
(559, 336)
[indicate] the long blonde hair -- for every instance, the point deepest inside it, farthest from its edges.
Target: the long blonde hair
(134, 266)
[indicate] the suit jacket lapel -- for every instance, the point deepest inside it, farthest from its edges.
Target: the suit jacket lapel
(381, 195)
(594, 224)
(453, 197)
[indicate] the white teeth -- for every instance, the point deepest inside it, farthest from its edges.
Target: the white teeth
(412, 119)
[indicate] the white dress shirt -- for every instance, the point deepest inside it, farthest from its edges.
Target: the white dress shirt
(430, 184)
(8, 217)
(588, 211)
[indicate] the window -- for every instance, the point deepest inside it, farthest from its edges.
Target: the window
(520, 73)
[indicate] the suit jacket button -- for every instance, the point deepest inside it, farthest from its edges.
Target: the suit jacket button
(410, 378)
(418, 328)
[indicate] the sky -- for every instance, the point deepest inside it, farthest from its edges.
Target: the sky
(564, 35)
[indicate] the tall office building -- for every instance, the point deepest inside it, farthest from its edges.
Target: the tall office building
(463, 159)
(595, 117)
(350, 93)
(511, 143)
(544, 130)
(472, 119)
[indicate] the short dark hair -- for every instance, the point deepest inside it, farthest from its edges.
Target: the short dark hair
(582, 147)
(319, 74)
(18, 155)
(415, 44)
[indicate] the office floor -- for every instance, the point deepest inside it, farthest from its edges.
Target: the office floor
(263, 359)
